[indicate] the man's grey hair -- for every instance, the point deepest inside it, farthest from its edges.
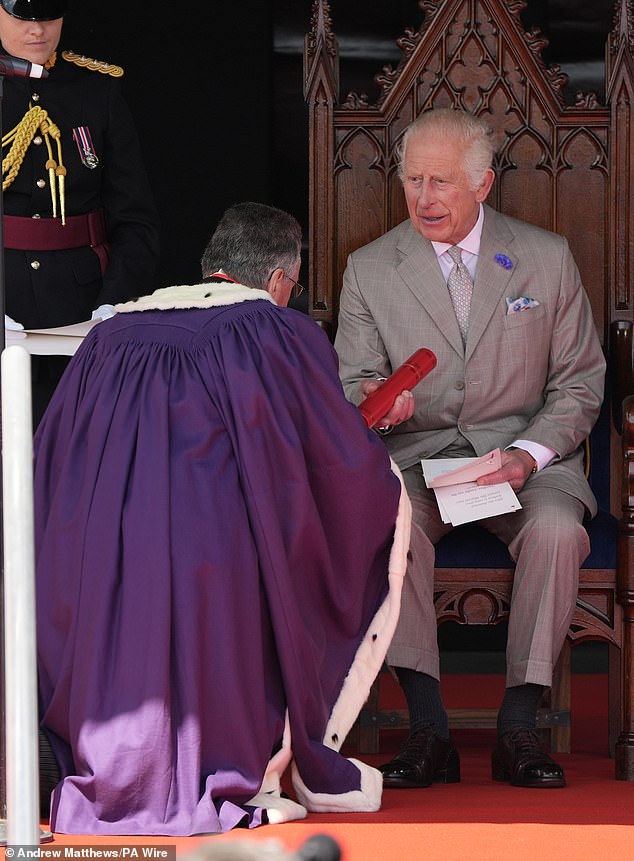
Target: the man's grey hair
(454, 124)
(251, 241)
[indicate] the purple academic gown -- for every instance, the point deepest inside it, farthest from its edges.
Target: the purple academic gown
(213, 527)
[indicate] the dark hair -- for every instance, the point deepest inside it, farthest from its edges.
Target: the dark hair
(251, 241)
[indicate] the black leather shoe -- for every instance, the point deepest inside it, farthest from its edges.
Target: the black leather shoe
(425, 758)
(518, 757)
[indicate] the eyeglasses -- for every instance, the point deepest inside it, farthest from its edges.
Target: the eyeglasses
(298, 289)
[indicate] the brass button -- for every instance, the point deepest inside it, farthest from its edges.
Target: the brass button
(35, 97)
(41, 183)
(37, 140)
(35, 264)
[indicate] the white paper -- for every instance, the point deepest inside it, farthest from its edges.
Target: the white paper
(462, 503)
(459, 469)
(468, 501)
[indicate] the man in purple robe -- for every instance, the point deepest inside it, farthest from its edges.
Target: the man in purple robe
(220, 546)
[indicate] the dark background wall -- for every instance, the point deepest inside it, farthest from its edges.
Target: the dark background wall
(217, 92)
(199, 80)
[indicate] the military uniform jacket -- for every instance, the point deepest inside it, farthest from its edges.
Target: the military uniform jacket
(52, 288)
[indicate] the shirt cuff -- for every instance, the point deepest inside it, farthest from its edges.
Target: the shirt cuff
(540, 453)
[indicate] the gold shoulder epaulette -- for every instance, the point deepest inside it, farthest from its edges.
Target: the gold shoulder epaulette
(93, 65)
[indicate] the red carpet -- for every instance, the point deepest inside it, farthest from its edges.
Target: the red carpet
(591, 819)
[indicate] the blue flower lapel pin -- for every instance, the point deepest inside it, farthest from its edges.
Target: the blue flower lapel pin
(504, 261)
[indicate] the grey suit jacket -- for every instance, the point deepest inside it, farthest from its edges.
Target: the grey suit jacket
(536, 374)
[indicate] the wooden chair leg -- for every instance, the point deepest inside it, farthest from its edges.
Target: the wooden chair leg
(367, 723)
(615, 697)
(557, 717)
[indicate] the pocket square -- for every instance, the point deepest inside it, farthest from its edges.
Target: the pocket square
(522, 303)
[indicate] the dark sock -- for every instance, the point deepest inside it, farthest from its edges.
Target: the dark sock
(424, 701)
(519, 707)
(49, 772)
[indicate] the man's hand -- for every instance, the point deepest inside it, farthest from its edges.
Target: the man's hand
(402, 409)
(517, 465)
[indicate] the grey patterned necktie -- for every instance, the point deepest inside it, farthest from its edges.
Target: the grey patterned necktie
(460, 287)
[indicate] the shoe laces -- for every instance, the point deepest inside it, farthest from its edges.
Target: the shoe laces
(416, 744)
(524, 740)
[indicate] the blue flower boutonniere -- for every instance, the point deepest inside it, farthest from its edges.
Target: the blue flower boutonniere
(504, 261)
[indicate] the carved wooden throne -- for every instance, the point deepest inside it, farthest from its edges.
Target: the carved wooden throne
(566, 168)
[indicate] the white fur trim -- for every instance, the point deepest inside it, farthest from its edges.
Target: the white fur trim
(364, 800)
(210, 295)
(356, 687)
(279, 762)
(373, 648)
(278, 809)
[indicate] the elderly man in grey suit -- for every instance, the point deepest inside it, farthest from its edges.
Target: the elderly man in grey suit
(520, 368)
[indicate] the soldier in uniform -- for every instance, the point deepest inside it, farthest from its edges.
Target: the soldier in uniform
(80, 224)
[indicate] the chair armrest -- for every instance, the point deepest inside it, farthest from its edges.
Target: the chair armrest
(627, 441)
(621, 365)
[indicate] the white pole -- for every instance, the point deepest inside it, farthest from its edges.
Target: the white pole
(19, 601)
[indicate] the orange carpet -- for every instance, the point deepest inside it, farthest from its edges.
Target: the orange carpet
(592, 819)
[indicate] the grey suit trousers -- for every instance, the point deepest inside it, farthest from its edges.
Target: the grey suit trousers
(548, 543)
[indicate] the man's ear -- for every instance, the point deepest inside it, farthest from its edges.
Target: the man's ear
(275, 283)
(482, 191)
